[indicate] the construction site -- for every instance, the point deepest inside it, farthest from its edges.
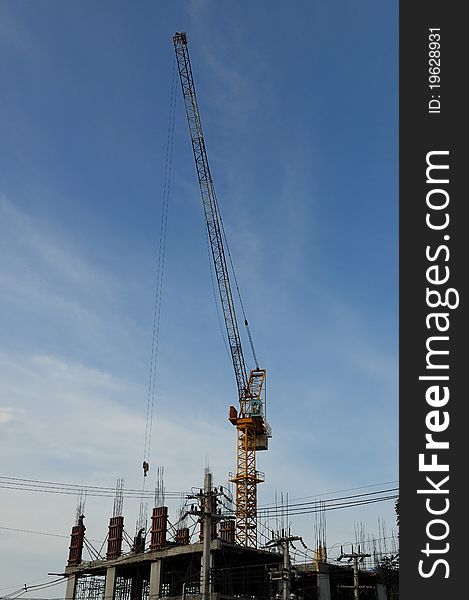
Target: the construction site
(203, 559)
(219, 546)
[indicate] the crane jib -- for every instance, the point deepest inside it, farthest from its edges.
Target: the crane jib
(209, 202)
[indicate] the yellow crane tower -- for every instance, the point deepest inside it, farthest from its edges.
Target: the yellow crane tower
(253, 431)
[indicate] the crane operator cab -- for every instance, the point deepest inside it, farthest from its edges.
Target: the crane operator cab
(256, 408)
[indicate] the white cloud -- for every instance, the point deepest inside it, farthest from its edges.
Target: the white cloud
(37, 247)
(7, 414)
(77, 424)
(74, 423)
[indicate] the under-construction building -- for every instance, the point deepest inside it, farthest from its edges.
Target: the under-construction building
(166, 562)
(174, 571)
(236, 572)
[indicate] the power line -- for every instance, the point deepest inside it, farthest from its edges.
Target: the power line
(319, 508)
(26, 588)
(309, 507)
(314, 503)
(10, 587)
(33, 485)
(361, 487)
(16, 529)
(71, 488)
(343, 505)
(48, 533)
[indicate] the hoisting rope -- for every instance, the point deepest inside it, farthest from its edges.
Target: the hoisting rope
(246, 324)
(215, 296)
(159, 281)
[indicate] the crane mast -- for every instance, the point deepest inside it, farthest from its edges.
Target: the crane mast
(253, 430)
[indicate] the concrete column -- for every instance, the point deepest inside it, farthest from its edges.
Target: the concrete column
(70, 591)
(381, 593)
(110, 583)
(324, 586)
(155, 580)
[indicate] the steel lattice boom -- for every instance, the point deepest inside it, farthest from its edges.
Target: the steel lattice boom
(252, 429)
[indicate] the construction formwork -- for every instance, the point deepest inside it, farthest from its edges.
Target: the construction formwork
(76, 542)
(159, 527)
(115, 535)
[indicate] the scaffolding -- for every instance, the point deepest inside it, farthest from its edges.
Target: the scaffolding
(132, 583)
(90, 587)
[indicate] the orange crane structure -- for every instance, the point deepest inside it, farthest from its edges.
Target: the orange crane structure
(249, 418)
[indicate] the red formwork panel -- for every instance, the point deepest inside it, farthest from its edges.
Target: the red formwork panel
(76, 543)
(182, 536)
(159, 527)
(114, 543)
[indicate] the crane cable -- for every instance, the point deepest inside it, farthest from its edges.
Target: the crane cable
(246, 324)
(215, 297)
(159, 280)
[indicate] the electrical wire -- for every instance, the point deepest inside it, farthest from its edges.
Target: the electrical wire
(277, 509)
(34, 485)
(361, 487)
(343, 505)
(27, 588)
(21, 586)
(59, 535)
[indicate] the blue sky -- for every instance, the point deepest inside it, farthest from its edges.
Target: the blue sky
(299, 108)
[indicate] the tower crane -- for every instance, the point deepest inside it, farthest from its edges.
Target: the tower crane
(249, 418)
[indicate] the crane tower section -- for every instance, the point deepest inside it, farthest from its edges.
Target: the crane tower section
(253, 430)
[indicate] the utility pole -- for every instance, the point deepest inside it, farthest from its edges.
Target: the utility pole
(284, 543)
(207, 508)
(205, 512)
(356, 557)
